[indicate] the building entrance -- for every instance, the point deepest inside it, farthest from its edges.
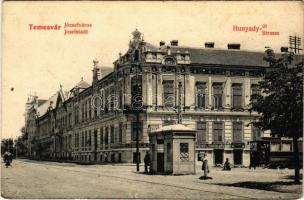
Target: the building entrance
(218, 156)
(238, 156)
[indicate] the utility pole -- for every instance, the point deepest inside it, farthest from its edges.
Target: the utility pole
(137, 110)
(295, 44)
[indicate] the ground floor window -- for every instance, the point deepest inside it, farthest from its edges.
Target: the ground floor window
(112, 157)
(184, 151)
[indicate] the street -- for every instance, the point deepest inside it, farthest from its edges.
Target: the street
(33, 179)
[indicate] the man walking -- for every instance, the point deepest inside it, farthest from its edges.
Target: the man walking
(147, 161)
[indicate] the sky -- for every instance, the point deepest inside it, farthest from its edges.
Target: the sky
(38, 61)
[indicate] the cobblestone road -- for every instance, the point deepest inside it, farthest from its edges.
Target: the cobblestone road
(33, 179)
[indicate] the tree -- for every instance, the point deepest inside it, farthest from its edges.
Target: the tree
(281, 105)
(7, 145)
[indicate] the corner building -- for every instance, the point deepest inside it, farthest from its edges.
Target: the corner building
(95, 122)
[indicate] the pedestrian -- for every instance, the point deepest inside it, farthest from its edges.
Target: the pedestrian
(10, 157)
(227, 165)
(7, 158)
(205, 168)
(147, 161)
(253, 160)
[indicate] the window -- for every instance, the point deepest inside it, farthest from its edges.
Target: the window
(77, 140)
(101, 136)
(120, 133)
(96, 106)
(201, 132)
(107, 136)
(75, 115)
(218, 132)
(237, 95)
(120, 99)
(136, 55)
(112, 99)
(255, 91)
(201, 95)
(106, 100)
(237, 132)
(82, 139)
(90, 107)
(160, 146)
(217, 95)
(112, 134)
(136, 127)
(85, 138)
(154, 89)
(95, 138)
(256, 133)
(184, 152)
(101, 101)
(89, 138)
(168, 87)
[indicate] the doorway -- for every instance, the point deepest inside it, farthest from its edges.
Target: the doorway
(237, 156)
(160, 162)
(218, 156)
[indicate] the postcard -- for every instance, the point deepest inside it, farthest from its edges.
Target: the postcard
(152, 99)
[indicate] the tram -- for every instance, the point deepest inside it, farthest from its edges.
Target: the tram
(274, 152)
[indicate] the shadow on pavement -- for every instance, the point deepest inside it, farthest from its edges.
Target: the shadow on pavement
(291, 177)
(49, 162)
(275, 186)
(205, 178)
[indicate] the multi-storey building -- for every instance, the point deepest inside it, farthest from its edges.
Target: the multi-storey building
(96, 123)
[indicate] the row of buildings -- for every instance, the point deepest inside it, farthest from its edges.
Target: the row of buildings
(96, 122)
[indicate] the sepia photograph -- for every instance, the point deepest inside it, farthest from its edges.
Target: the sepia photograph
(152, 100)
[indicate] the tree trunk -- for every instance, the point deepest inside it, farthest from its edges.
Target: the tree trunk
(296, 160)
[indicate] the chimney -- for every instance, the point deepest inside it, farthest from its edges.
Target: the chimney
(162, 43)
(174, 42)
(209, 45)
(284, 49)
(234, 46)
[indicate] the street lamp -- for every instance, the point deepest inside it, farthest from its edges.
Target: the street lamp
(136, 108)
(137, 111)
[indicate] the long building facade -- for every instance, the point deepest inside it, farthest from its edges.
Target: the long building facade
(98, 122)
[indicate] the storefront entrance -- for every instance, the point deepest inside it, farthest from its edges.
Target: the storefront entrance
(237, 156)
(218, 156)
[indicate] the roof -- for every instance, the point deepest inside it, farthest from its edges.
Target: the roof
(106, 70)
(150, 46)
(42, 109)
(174, 127)
(82, 84)
(214, 56)
(223, 56)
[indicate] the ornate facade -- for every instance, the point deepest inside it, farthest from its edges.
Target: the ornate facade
(97, 123)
